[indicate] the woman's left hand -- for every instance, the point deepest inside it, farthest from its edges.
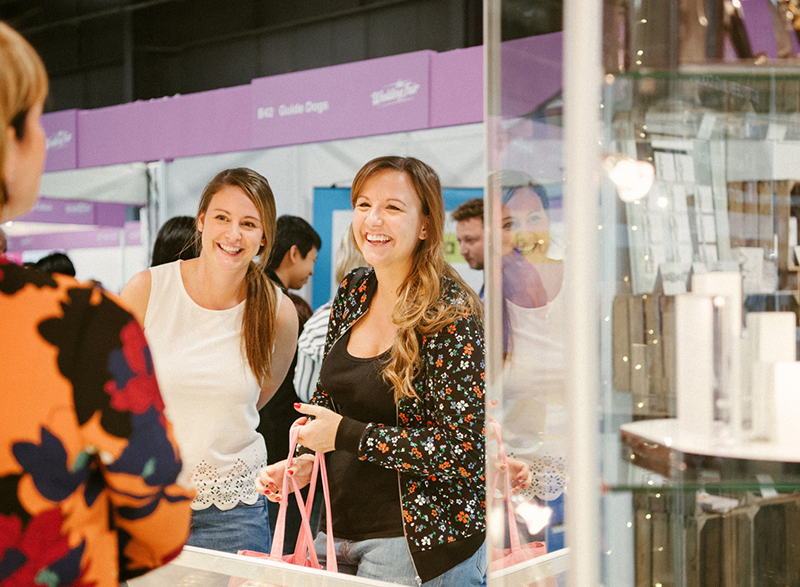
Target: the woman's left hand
(318, 434)
(521, 476)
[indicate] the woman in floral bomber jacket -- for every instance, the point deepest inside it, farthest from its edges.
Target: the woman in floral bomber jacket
(400, 395)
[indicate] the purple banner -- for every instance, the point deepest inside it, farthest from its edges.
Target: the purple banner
(217, 121)
(530, 73)
(117, 134)
(61, 130)
(457, 87)
(76, 212)
(760, 30)
(205, 123)
(365, 98)
(82, 239)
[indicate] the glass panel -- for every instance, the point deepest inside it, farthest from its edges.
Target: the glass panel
(697, 264)
(699, 316)
(525, 295)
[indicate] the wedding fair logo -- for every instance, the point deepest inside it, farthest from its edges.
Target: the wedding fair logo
(399, 91)
(59, 140)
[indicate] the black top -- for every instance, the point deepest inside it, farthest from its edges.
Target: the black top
(277, 416)
(365, 498)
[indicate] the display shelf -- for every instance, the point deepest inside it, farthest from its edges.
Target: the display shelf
(703, 509)
(693, 462)
(660, 438)
(548, 569)
(199, 567)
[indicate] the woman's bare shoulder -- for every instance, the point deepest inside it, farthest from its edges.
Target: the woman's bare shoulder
(136, 294)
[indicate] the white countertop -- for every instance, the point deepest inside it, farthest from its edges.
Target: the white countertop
(667, 433)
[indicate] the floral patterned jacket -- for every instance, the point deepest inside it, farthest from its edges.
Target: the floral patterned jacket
(87, 458)
(437, 448)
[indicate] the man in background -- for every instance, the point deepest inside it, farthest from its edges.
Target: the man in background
(293, 255)
(469, 233)
(291, 264)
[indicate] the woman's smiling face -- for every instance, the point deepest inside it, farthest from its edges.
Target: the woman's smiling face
(526, 226)
(232, 230)
(388, 223)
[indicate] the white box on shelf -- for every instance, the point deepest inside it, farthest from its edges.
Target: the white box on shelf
(771, 336)
(770, 339)
(723, 283)
(694, 363)
(787, 403)
(728, 284)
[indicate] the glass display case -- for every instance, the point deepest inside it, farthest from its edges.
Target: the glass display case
(711, 473)
(660, 187)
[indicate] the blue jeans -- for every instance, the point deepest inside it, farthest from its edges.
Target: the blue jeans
(245, 527)
(388, 559)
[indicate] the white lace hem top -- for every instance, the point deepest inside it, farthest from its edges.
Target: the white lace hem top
(535, 419)
(209, 391)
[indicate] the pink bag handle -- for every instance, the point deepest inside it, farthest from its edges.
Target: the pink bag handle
(501, 455)
(305, 540)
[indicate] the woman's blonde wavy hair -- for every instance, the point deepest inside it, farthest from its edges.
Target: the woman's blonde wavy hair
(258, 321)
(419, 311)
(23, 83)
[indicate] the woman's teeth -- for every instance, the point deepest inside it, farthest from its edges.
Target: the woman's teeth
(229, 250)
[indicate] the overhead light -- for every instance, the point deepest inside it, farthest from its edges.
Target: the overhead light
(632, 178)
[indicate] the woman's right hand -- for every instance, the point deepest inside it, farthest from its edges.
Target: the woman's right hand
(270, 479)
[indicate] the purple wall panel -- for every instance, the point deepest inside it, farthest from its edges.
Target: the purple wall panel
(456, 87)
(217, 121)
(117, 134)
(530, 73)
(205, 123)
(76, 212)
(86, 239)
(364, 98)
(758, 23)
(378, 96)
(60, 128)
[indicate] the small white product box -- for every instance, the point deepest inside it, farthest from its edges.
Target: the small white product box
(770, 339)
(694, 363)
(787, 403)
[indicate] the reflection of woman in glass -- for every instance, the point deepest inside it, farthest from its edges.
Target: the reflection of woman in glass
(534, 414)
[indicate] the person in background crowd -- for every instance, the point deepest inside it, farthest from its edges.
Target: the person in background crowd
(56, 263)
(291, 264)
(3, 242)
(469, 233)
(292, 259)
(88, 464)
(223, 336)
(311, 343)
(399, 408)
(175, 240)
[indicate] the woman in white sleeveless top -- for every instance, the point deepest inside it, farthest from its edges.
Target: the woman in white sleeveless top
(222, 339)
(534, 410)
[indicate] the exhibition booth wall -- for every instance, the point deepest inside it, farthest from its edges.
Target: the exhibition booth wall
(301, 130)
